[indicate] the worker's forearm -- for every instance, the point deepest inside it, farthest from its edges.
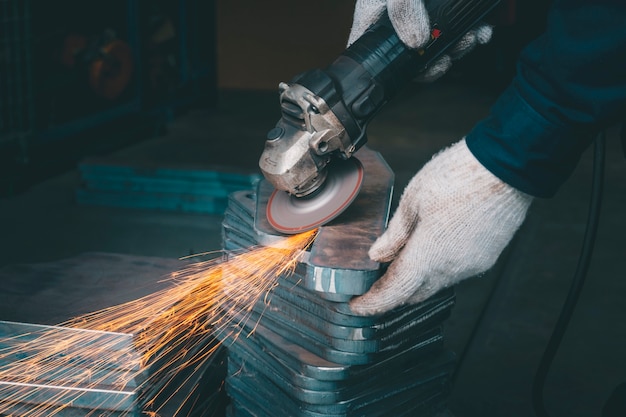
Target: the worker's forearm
(570, 83)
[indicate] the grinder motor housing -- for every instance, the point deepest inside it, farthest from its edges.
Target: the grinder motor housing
(325, 112)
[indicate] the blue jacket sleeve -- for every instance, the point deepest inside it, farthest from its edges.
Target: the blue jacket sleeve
(569, 84)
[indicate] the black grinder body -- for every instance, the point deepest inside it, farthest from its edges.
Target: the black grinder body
(374, 68)
(325, 112)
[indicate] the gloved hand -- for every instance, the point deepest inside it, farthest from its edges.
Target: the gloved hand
(453, 221)
(410, 21)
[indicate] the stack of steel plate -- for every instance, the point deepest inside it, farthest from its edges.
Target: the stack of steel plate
(71, 372)
(63, 389)
(190, 189)
(301, 351)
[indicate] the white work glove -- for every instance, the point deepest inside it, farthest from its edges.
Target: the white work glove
(453, 221)
(410, 21)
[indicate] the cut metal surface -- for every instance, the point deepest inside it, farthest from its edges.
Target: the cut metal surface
(289, 214)
(339, 261)
(362, 222)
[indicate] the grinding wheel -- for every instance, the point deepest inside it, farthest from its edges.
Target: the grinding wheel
(289, 214)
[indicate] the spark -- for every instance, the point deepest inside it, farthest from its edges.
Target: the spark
(126, 357)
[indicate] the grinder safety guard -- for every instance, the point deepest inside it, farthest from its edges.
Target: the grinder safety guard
(325, 112)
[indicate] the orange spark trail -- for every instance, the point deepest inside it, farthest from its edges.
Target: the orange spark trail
(141, 345)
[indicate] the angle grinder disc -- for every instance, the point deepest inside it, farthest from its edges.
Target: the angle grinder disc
(289, 214)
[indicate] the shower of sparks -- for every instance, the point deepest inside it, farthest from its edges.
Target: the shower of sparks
(127, 357)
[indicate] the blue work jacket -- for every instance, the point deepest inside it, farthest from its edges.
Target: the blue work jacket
(570, 83)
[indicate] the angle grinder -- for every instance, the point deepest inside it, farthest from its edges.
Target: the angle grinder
(325, 114)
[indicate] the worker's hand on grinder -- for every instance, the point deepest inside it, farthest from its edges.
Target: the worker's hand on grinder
(412, 24)
(453, 221)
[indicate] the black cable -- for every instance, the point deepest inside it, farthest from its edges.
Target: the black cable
(577, 281)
